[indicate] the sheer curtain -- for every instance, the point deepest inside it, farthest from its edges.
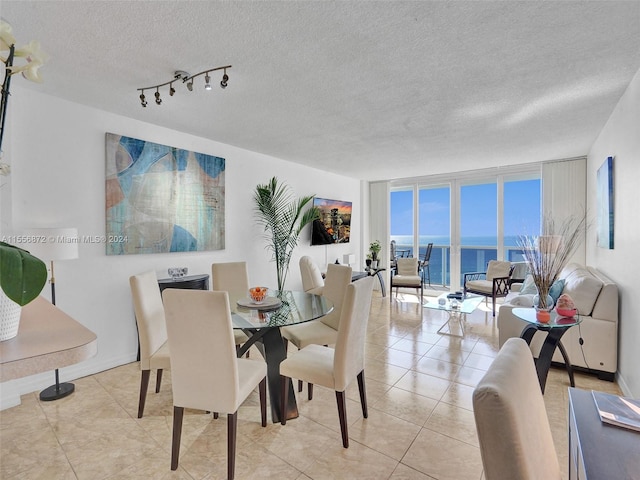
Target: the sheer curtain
(379, 220)
(564, 194)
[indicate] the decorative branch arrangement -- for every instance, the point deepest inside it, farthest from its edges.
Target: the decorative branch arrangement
(546, 255)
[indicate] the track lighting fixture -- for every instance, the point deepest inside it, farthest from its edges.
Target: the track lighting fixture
(185, 77)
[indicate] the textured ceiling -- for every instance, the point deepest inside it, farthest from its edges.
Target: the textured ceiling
(372, 90)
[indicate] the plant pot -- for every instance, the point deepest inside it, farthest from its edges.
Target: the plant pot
(374, 264)
(368, 262)
(9, 317)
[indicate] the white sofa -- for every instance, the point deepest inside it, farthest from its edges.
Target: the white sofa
(596, 298)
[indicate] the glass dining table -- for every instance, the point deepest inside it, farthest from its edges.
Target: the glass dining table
(262, 325)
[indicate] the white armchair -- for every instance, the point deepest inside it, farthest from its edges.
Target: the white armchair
(407, 275)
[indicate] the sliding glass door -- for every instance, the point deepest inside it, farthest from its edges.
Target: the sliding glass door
(470, 221)
(478, 239)
(402, 221)
(522, 213)
(434, 226)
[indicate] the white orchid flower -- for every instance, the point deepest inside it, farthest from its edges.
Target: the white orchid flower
(35, 59)
(30, 71)
(6, 36)
(5, 169)
(31, 51)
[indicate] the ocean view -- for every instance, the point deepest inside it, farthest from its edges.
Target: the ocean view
(475, 253)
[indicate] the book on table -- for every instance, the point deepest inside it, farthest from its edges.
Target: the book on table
(620, 411)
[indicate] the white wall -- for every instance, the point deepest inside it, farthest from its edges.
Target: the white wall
(620, 138)
(57, 152)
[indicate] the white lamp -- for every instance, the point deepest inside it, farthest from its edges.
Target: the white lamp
(53, 244)
(348, 258)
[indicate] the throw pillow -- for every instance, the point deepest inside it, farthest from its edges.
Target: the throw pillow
(584, 288)
(528, 287)
(525, 300)
(556, 289)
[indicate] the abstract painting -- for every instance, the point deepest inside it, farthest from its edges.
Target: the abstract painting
(162, 199)
(605, 204)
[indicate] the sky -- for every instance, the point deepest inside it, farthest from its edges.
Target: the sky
(478, 210)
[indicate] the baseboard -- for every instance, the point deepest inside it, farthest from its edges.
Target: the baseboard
(624, 386)
(601, 374)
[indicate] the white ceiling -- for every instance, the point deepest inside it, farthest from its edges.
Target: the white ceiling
(372, 90)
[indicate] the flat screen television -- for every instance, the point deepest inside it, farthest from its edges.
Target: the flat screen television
(334, 225)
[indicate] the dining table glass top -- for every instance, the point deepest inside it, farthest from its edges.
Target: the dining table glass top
(296, 307)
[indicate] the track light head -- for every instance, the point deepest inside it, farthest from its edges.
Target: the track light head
(207, 82)
(158, 99)
(190, 86)
(225, 79)
(143, 101)
(171, 90)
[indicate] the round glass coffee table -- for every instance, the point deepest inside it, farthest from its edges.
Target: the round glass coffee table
(555, 328)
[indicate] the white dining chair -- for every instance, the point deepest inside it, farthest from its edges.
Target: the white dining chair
(206, 374)
(312, 281)
(231, 277)
(325, 330)
(511, 418)
(336, 368)
(152, 331)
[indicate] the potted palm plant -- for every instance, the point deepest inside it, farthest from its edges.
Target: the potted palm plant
(22, 278)
(282, 218)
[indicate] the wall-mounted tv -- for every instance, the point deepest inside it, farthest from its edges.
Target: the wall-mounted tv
(334, 225)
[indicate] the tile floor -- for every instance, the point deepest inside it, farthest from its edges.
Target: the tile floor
(420, 424)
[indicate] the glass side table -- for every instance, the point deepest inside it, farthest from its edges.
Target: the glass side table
(555, 328)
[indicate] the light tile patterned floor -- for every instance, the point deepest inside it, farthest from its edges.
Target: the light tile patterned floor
(420, 424)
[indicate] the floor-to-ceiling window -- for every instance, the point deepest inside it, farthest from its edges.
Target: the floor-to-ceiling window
(470, 219)
(522, 203)
(402, 221)
(478, 225)
(434, 226)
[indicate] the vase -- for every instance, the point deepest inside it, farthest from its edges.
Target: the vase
(548, 305)
(9, 317)
(543, 311)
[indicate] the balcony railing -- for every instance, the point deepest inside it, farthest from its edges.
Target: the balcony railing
(473, 259)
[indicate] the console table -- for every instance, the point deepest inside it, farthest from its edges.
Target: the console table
(47, 339)
(598, 451)
(193, 282)
(370, 272)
